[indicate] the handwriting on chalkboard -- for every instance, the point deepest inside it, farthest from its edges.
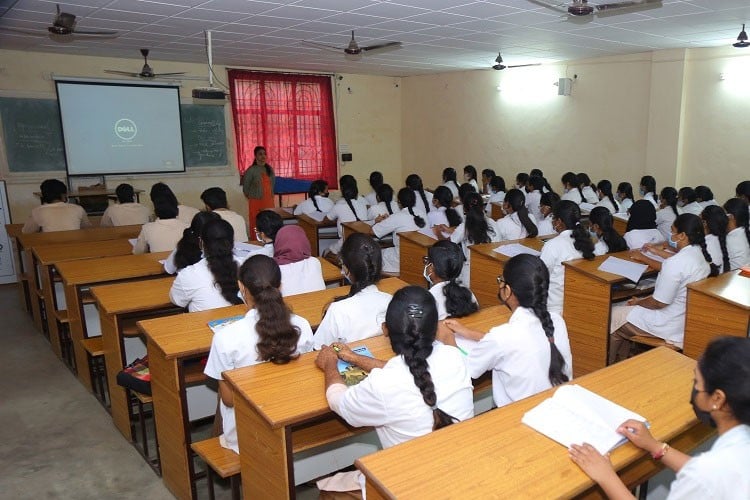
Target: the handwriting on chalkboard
(204, 135)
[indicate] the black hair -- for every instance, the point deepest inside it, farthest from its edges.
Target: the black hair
(743, 190)
(649, 183)
(692, 226)
(464, 190)
(477, 230)
(603, 218)
(384, 193)
(642, 216)
(258, 149)
(53, 190)
(498, 184)
(536, 183)
(549, 199)
(669, 196)
(317, 188)
(449, 174)
(362, 257)
(704, 193)
(471, 170)
(162, 190)
(414, 182)
(376, 180)
(444, 197)
(716, 221)
(188, 250)
(516, 201)
(584, 179)
(528, 278)
(412, 320)
(165, 207)
(737, 208)
(218, 240)
(488, 173)
(522, 178)
(268, 222)
(725, 365)
(538, 173)
(687, 193)
(447, 262)
(214, 198)
(569, 213)
(407, 199)
(125, 193)
(573, 180)
(627, 189)
(606, 188)
(349, 190)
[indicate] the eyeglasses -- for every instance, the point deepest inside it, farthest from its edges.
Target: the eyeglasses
(501, 281)
(426, 260)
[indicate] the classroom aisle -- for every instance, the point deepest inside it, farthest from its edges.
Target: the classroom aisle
(57, 440)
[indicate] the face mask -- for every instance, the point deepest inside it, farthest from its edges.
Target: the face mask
(241, 297)
(671, 242)
(426, 274)
(490, 190)
(642, 191)
(680, 204)
(566, 190)
(346, 276)
(703, 415)
(593, 235)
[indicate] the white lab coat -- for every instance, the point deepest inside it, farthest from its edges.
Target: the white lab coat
(544, 226)
(606, 203)
(738, 248)
(195, 288)
(636, 238)
(691, 208)
(307, 207)
(380, 208)
(342, 213)
(302, 277)
(459, 236)
(589, 195)
(652, 198)
(419, 206)
(399, 222)
(664, 219)
(510, 227)
(532, 204)
(554, 252)
(572, 195)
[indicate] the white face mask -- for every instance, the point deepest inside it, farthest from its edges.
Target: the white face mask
(346, 276)
(426, 274)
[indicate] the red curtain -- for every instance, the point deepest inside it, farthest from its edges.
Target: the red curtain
(292, 116)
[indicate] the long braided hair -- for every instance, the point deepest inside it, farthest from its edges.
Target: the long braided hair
(691, 225)
(606, 188)
(569, 213)
(477, 230)
(447, 262)
(349, 191)
(412, 320)
(668, 196)
(716, 221)
(414, 182)
(218, 240)
(528, 278)
(516, 201)
(317, 188)
(384, 194)
(407, 199)
(362, 257)
(444, 197)
(602, 218)
(188, 250)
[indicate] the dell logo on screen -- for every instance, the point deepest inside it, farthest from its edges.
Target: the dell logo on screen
(125, 129)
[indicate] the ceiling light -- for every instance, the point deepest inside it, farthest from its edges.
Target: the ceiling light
(499, 61)
(742, 39)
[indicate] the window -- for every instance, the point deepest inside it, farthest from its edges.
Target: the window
(292, 116)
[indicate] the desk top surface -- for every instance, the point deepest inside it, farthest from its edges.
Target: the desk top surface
(500, 454)
(358, 226)
(121, 267)
(295, 392)
(133, 296)
(286, 213)
(58, 252)
(488, 249)
(330, 272)
(14, 230)
(417, 238)
(591, 267)
(309, 220)
(81, 235)
(186, 335)
(730, 287)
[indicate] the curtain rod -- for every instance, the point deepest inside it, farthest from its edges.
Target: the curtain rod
(282, 72)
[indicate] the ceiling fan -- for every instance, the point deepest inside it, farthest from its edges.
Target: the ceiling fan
(64, 25)
(500, 66)
(146, 71)
(354, 49)
(580, 8)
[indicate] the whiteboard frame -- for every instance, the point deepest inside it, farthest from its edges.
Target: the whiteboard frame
(6, 249)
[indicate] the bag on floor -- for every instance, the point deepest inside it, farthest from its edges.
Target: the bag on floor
(136, 376)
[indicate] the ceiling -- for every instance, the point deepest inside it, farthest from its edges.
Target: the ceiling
(437, 35)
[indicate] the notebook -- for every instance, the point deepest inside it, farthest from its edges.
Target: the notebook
(217, 324)
(574, 415)
(352, 374)
(513, 249)
(625, 268)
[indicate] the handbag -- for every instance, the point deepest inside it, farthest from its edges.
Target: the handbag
(136, 376)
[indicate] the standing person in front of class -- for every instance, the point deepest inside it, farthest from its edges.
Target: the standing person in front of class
(300, 271)
(406, 219)
(268, 332)
(126, 211)
(531, 352)
(358, 314)
(647, 189)
(641, 228)
(720, 398)
(572, 242)
(738, 233)
(376, 180)
(518, 222)
(385, 206)
(165, 232)
(424, 198)
(547, 205)
(606, 198)
(317, 200)
(625, 196)
(443, 265)
(667, 212)
(444, 213)
(715, 223)
(351, 207)
(572, 188)
(257, 185)
(662, 314)
(603, 230)
(55, 213)
(470, 176)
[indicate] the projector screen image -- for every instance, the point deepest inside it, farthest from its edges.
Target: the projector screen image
(111, 128)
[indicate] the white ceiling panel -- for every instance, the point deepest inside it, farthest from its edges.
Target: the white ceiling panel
(243, 6)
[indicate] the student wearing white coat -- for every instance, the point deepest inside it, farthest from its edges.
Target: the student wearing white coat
(647, 190)
(624, 196)
(404, 220)
(572, 242)
(572, 188)
(385, 204)
(531, 352)
(705, 196)
(667, 212)
(349, 208)
(641, 228)
(715, 223)
(212, 281)
(358, 314)
(605, 197)
(280, 338)
(588, 189)
(534, 196)
(423, 204)
(300, 271)
(687, 202)
(470, 177)
(317, 200)
(518, 222)
(496, 192)
(443, 265)
(738, 233)
(376, 180)
(547, 204)
(450, 180)
(443, 214)
(601, 227)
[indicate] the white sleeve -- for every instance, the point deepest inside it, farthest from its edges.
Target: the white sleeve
(458, 234)
(178, 293)
(106, 220)
(385, 226)
(169, 265)
(485, 356)
(548, 254)
(667, 283)
(305, 342)
(689, 484)
(333, 214)
(219, 359)
(362, 405)
(327, 331)
(140, 245)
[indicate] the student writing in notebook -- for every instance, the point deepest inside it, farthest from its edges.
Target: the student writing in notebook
(721, 398)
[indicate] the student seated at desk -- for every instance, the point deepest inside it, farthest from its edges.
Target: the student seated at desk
(667, 212)
(163, 234)
(404, 220)
(662, 314)
(487, 175)
(317, 200)
(212, 281)
(184, 212)
(215, 200)
(531, 352)
(423, 388)
(268, 332)
(518, 222)
(715, 222)
(625, 196)
(497, 193)
(738, 233)
(358, 314)
(55, 214)
(720, 398)
(534, 195)
(126, 211)
(605, 196)
(300, 272)
(705, 197)
(588, 188)
(375, 180)
(742, 191)
(647, 190)
(443, 265)
(385, 205)
(572, 242)
(522, 180)
(572, 188)
(450, 180)
(641, 228)
(547, 204)
(470, 176)
(348, 209)
(602, 229)
(188, 250)
(443, 213)
(424, 198)
(687, 201)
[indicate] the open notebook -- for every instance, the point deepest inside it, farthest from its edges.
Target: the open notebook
(574, 415)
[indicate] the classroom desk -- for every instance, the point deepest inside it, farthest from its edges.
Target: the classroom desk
(589, 294)
(312, 230)
(501, 457)
(176, 339)
(496, 211)
(285, 213)
(413, 245)
(716, 306)
(78, 275)
(288, 412)
(120, 306)
(486, 265)
(358, 226)
(620, 225)
(45, 257)
(14, 231)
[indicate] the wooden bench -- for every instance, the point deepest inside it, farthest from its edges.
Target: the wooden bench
(141, 400)
(221, 461)
(94, 348)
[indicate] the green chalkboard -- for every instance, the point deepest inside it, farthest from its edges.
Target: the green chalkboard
(33, 136)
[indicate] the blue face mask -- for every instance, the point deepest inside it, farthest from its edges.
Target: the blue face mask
(593, 235)
(426, 274)
(642, 191)
(346, 276)
(671, 242)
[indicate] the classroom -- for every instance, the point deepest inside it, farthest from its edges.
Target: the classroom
(656, 92)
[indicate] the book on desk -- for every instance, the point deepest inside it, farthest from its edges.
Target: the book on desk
(353, 374)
